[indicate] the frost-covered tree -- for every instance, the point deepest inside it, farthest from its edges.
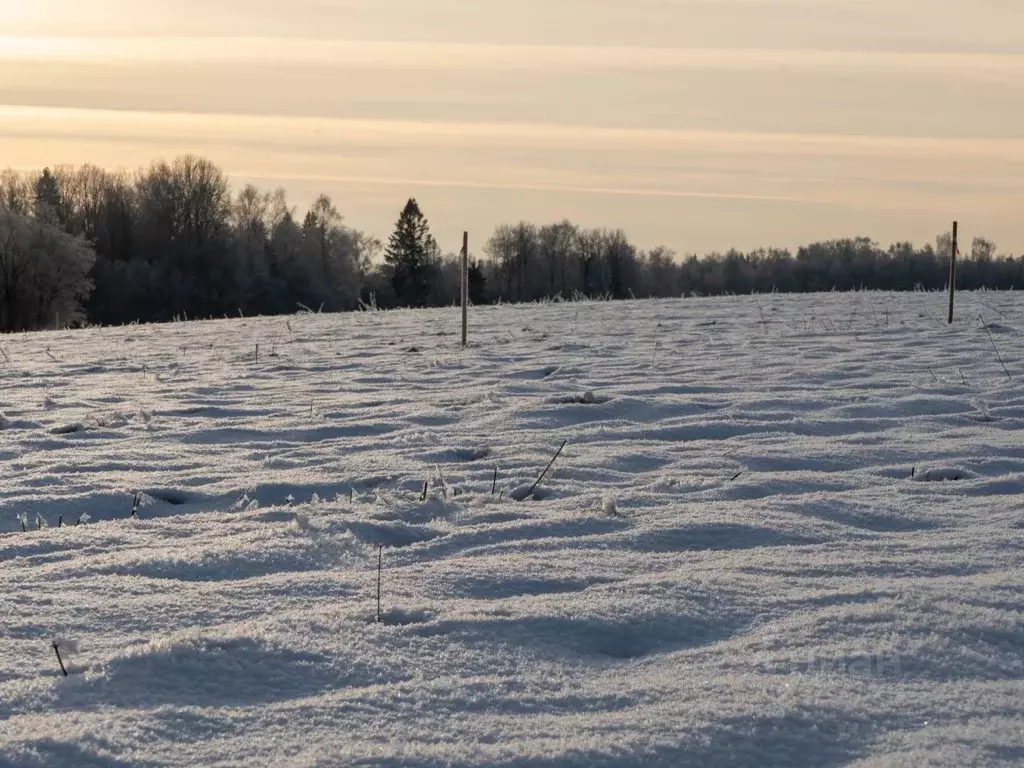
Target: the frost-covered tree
(184, 239)
(285, 249)
(44, 274)
(332, 255)
(16, 193)
(249, 214)
(174, 239)
(501, 250)
(555, 246)
(982, 249)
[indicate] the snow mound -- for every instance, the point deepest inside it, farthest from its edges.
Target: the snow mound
(210, 670)
(944, 475)
(582, 398)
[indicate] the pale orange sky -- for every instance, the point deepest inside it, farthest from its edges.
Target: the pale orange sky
(700, 124)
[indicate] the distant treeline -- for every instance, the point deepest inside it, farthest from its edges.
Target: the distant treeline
(85, 245)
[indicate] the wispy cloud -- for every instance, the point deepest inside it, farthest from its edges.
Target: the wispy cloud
(296, 131)
(266, 50)
(603, 191)
(903, 172)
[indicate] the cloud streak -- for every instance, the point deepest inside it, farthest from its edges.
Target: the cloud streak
(293, 131)
(457, 56)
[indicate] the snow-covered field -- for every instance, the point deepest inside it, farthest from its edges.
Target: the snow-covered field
(730, 563)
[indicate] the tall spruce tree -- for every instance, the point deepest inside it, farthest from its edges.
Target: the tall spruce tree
(49, 201)
(411, 254)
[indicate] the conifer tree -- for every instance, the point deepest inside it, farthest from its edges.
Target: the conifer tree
(411, 254)
(49, 203)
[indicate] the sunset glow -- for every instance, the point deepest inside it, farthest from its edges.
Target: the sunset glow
(671, 120)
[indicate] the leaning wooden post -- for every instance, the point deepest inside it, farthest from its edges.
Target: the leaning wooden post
(465, 289)
(952, 272)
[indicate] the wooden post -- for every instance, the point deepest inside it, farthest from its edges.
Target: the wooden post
(465, 289)
(380, 565)
(952, 272)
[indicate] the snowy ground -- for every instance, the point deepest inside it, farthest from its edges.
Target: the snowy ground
(730, 563)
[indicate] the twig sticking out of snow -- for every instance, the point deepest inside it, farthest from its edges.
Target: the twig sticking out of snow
(874, 314)
(494, 482)
(995, 348)
(238, 503)
(547, 469)
(56, 649)
(444, 486)
(760, 311)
